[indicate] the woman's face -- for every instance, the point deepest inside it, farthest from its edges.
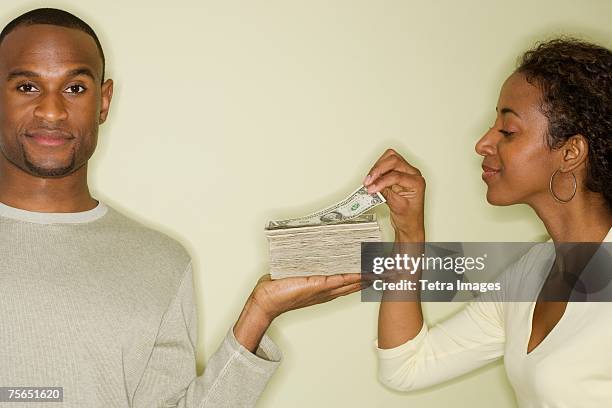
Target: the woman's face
(517, 161)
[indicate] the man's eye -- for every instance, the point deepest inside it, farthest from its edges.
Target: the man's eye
(505, 133)
(25, 88)
(75, 89)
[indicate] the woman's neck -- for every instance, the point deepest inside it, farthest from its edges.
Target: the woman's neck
(586, 218)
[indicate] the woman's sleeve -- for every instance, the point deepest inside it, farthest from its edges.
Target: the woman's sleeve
(470, 339)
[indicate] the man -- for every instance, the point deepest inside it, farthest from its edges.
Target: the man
(93, 301)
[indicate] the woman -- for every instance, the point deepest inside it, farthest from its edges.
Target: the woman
(550, 148)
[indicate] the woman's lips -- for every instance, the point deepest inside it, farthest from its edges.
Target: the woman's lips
(489, 172)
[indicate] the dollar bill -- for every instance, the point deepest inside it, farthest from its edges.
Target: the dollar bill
(351, 207)
(356, 222)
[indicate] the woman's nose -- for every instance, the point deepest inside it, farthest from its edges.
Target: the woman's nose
(487, 145)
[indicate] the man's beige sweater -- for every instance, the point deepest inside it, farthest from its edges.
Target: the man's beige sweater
(103, 306)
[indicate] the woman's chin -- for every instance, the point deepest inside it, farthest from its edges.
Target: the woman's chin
(498, 199)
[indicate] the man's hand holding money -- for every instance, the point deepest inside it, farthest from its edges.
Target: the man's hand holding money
(271, 298)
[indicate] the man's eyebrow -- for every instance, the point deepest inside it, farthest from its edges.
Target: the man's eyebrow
(22, 73)
(31, 74)
(82, 71)
(507, 110)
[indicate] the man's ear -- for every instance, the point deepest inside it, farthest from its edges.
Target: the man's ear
(574, 151)
(107, 95)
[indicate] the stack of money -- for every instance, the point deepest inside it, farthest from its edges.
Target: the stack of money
(325, 242)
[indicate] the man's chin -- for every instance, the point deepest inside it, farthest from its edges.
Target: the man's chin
(49, 171)
(49, 168)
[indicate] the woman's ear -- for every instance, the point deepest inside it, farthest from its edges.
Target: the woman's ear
(575, 151)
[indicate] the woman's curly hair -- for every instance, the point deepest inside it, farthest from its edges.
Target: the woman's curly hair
(575, 78)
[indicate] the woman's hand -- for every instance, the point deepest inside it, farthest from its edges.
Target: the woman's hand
(403, 187)
(271, 298)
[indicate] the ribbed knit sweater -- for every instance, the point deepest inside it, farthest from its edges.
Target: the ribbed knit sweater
(103, 306)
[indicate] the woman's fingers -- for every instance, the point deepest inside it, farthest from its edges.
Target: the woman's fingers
(386, 164)
(399, 202)
(397, 182)
(389, 161)
(403, 187)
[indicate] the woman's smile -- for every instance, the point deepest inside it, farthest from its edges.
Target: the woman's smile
(489, 173)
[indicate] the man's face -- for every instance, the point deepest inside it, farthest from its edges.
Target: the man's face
(51, 99)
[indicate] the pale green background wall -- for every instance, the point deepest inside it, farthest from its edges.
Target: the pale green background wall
(230, 113)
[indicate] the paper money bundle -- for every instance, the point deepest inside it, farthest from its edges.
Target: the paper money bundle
(326, 242)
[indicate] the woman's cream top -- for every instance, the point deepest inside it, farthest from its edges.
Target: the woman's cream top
(571, 367)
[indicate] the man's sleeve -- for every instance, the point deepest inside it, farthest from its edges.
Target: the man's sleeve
(233, 377)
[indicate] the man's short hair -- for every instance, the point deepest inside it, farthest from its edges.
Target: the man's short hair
(56, 17)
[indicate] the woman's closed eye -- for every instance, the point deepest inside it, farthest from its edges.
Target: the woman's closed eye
(505, 132)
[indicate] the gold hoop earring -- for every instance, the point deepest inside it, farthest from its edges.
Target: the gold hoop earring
(550, 187)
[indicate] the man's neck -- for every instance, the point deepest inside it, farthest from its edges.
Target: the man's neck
(22, 190)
